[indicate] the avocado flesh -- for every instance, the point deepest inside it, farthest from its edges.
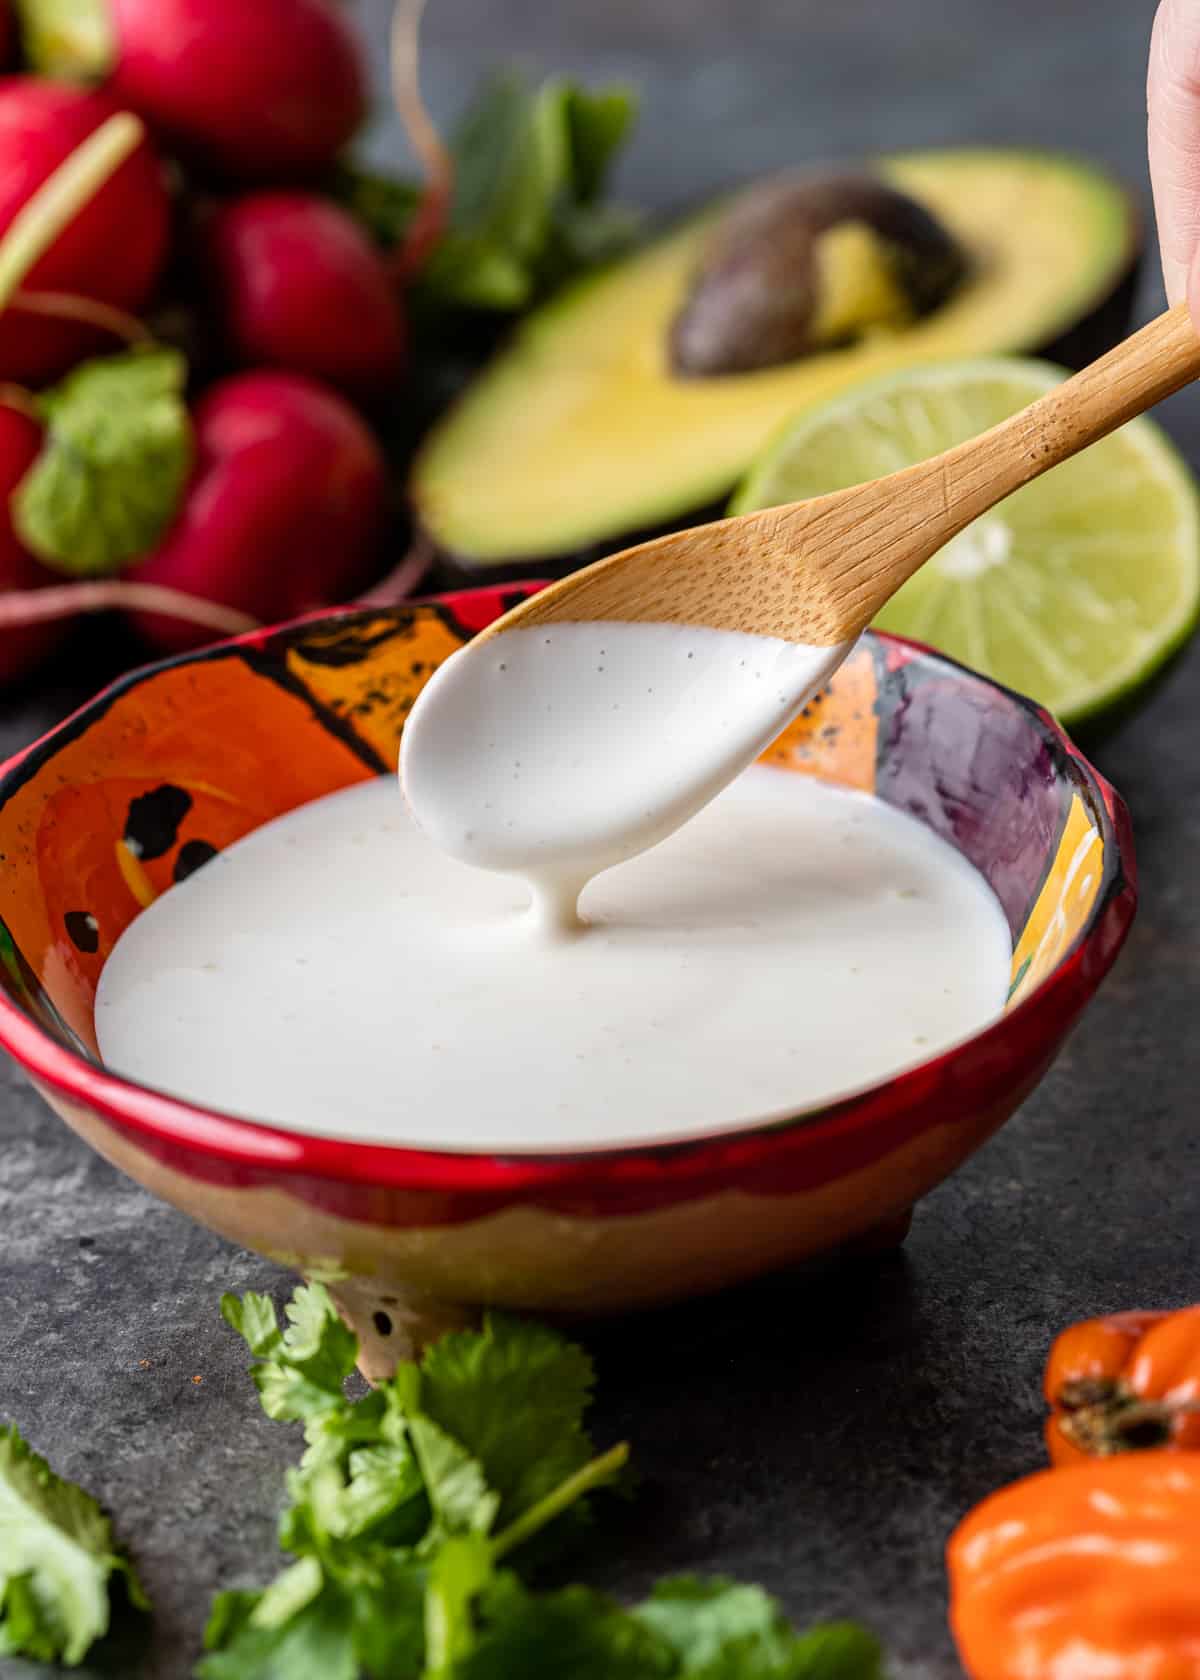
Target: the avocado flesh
(578, 433)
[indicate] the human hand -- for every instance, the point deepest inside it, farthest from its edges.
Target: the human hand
(1173, 104)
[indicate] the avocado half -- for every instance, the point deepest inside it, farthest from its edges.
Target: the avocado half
(582, 430)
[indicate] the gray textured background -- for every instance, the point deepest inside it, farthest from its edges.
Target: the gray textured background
(822, 1432)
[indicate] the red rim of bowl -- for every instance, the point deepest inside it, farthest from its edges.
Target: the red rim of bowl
(253, 1144)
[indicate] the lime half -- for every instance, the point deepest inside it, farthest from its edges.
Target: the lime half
(1075, 590)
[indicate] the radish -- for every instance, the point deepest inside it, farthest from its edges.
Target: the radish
(284, 510)
(296, 283)
(106, 256)
(258, 89)
(23, 648)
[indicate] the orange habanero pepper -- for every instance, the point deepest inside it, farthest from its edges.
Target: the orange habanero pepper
(1087, 1573)
(1122, 1383)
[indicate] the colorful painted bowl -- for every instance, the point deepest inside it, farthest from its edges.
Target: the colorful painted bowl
(177, 761)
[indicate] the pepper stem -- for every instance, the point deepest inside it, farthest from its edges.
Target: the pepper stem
(1103, 1416)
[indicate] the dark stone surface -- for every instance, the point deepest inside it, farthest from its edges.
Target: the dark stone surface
(821, 1433)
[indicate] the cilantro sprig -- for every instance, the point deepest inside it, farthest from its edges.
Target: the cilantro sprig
(57, 1560)
(411, 1515)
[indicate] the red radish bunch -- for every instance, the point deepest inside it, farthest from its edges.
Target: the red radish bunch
(112, 250)
(257, 89)
(24, 648)
(284, 505)
(284, 510)
(295, 283)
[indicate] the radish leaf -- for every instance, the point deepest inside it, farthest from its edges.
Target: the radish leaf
(530, 167)
(382, 204)
(114, 463)
(528, 164)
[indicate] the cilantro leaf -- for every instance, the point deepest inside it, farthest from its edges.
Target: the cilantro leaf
(385, 1484)
(514, 1395)
(389, 1636)
(720, 1630)
(407, 1500)
(548, 1636)
(253, 1317)
(313, 1623)
(455, 1484)
(460, 1571)
(230, 1613)
(837, 1651)
(57, 1556)
(316, 1337)
(334, 1433)
(289, 1593)
(114, 463)
(301, 1370)
(27, 1626)
(382, 1500)
(359, 1478)
(316, 1643)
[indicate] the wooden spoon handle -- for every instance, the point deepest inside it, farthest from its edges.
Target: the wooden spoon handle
(1137, 373)
(932, 502)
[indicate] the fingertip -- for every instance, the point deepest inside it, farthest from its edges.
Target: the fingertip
(1180, 281)
(1173, 138)
(1192, 290)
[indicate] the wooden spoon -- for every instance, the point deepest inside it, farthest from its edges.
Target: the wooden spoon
(819, 571)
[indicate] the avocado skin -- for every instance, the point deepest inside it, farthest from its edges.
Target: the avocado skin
(1103, 326)
(1108, 321)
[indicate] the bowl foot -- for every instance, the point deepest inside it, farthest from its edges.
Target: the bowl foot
(392, 1326)
(885, 1237)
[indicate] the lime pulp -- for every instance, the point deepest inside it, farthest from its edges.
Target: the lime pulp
(1074, 590)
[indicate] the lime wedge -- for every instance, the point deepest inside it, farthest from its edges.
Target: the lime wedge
(1074, 591)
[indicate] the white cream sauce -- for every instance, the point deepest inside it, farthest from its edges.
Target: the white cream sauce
(556, 751)
(334, 972)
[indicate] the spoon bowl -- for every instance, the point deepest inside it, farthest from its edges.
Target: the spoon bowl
(709, 641)
(177, 761)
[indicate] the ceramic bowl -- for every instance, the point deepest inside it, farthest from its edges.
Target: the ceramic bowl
(177, 761)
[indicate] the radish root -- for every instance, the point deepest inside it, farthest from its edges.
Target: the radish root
(16, 396)
(402, 579)
(67, 306)
(22, 607)
(429, 222)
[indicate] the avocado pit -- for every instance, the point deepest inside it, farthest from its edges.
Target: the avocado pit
(800, 264)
